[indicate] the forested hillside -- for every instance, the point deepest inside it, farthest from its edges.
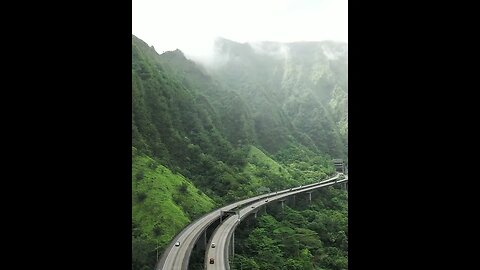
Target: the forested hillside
(303, 236)
(199, 143)
(295, 90)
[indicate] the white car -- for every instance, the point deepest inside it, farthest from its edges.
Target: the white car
(177, 244)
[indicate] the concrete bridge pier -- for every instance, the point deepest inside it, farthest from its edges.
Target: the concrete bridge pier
(283, 203)
(233, 244)
(204, 239)
(310, 196)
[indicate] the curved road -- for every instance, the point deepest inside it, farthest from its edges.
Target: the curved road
(222, 235)
(177, 258)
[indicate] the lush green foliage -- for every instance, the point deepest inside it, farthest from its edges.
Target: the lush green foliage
(163, 203)
(305, 165)
(306, 236)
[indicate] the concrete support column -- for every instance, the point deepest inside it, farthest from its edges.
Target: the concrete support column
(205, 239)
(283, 204)
(310, 197)
(233, 244)
(255, 214)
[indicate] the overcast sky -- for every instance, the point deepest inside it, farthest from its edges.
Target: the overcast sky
(192, 25)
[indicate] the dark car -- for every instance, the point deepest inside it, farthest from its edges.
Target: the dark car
(212, 261)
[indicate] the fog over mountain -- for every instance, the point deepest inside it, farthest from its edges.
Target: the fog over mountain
(303, 82)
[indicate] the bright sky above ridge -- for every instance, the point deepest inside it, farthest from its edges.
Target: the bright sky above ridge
(192, 25)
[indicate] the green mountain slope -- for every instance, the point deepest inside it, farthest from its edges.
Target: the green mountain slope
(234, 115)
(161, 197)
(163, 203)
(294, 90)
(179, 126)
(266, 172)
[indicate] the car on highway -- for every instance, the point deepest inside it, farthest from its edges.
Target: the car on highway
(266, 200)
(253, 206)
(212, 260)
(213, 245)
(177, 243)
